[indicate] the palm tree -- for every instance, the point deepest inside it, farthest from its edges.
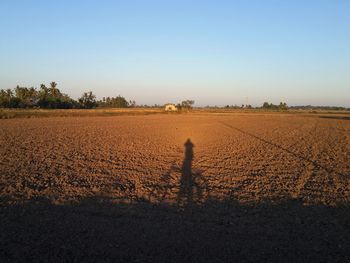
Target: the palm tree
(9, 93)
(88, 100)
(44, 91)
(53, 84)
(54, 91)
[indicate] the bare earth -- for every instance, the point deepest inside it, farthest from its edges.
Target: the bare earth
(175, 188)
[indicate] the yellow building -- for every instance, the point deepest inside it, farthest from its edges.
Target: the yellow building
(170, 107)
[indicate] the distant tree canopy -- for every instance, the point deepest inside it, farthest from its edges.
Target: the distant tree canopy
(23, 97)
(52, 98)
(116, 102)
(8, 100)
(88, 100)
(312, 107)
(270, 106)
(187, 104)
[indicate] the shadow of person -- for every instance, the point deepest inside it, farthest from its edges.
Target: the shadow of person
(190, 189)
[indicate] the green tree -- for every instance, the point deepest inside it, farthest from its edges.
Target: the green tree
(266, 105)
(28, 97)
(116, 102)
(88, 100)
(283, 106)
(52, 98)
(55, 92)
(187, 104)
(5, 97)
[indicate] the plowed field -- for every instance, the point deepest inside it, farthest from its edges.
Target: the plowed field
(175, 188)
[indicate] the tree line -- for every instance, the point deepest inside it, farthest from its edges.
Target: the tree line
(282, 106)
(52, 98)
(266, 106)
(270, 106)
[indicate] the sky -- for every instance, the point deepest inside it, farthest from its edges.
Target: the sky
(215, 52)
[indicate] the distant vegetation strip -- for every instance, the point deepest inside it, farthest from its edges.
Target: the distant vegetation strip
(52, 98)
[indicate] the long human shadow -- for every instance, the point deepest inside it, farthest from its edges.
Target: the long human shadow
(303, 158)
(189, 184)
(192, 183)
(195, 228)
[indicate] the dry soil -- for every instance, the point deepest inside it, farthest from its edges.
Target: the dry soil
(175, 188)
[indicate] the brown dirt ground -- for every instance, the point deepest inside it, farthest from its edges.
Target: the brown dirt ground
(175, 188)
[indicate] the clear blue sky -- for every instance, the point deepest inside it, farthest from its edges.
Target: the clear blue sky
(215, 52)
